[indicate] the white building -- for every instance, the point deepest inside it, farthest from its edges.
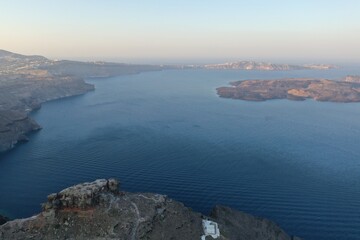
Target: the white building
(210, 229)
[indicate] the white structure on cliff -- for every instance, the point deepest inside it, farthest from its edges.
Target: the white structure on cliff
(210, 229)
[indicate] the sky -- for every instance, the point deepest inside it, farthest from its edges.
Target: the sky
(168, 30)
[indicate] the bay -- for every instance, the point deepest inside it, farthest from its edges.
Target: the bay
(296, 163)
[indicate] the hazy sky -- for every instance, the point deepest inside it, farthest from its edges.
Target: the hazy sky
(186, 29)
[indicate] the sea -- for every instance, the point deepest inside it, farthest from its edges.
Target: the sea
(294, 162)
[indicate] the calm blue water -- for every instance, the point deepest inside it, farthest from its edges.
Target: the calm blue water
(296, 163)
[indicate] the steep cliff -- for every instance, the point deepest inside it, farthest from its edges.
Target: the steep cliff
(28, 81)
(22, 94)
(14, 125)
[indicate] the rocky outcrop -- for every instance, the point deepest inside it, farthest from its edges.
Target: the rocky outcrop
(3, 220)
(293, 89)
(14, 125)
(23, 94)
(82, 196)
(98, 210)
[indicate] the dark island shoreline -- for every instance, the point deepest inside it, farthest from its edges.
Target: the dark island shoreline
(298, 89)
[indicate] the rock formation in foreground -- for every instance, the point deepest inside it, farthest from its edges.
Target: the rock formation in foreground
(98, 210)
(347, 90)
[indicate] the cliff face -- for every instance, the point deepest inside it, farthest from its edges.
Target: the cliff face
(14, 126)
(23, 87)
(238, 225)
(21, 94)
(3, 220)
(98, 210)
(28, 81)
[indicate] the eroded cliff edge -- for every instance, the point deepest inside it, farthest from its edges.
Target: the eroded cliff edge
(98, 210)
(28, 81)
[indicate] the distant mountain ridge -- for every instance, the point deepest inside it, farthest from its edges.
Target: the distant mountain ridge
(4, 53)
(265, 66)
(7, 54)
(13, 63)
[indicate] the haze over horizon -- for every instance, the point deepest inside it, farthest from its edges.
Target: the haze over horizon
(183, 31)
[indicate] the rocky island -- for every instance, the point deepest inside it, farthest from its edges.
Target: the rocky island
(265, 66)
(99, 210)
(346, 90)
(28, 81)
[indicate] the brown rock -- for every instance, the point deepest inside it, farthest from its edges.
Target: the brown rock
(95, 210)
(293, 89)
